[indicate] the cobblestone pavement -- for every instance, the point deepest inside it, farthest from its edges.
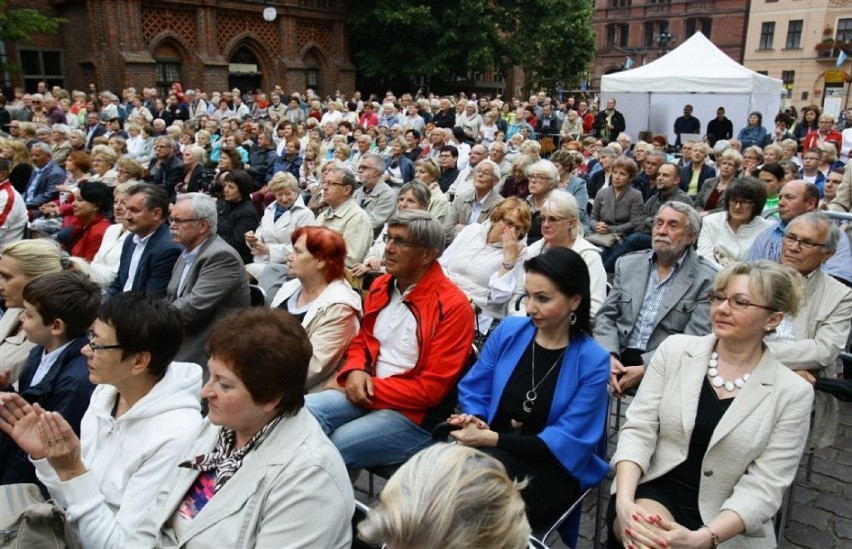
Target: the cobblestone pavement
(821, 514)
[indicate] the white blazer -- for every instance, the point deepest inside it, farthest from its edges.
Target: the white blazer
(754, 451)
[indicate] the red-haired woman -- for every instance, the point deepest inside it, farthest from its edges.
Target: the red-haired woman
(321, 299)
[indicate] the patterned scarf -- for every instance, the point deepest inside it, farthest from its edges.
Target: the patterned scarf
(224, 459)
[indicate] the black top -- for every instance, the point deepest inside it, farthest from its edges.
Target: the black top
(521, 440)
(710, 411)
(534, 234)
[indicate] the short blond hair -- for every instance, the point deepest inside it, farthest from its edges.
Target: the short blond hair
(779, 287)
(283, 181)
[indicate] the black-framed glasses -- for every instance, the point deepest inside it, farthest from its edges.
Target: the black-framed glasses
(387, 239)
(804, 244)
(741, 202)
(90, 335)
(735, 301)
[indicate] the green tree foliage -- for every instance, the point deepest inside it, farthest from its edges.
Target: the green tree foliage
(552, 40)
(19, 25)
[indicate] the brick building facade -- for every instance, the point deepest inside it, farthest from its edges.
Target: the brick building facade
(630, 28)
(206, 44)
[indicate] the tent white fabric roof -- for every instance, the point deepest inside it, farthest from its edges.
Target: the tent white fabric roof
(696, 66)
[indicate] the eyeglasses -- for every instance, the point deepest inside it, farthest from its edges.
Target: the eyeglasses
(741, 202)
(538, 176)
(734, 302)
(364, 168)
(551, 219)
(333, 184)
(804, 244)
(388, 240)
(90, 335)
(178, 221)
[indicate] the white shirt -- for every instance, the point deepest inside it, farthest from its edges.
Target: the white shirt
(396, 331)
(47, 361)
(134, 260)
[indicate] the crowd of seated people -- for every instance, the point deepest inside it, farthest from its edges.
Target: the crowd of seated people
(390, 237)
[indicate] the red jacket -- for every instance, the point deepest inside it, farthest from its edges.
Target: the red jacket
(444, 334)
(85, 241)
(812, 140)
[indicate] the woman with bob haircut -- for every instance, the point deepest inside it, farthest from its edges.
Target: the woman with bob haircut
(715, 433)
(727, 236)
(448, 496)
(143, 415)
(536, 400)
(237, 214)
(260, 472)
(271, 242)
(485, 260)
(321, 299)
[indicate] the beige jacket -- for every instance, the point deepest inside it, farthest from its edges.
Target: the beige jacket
(821, 329)
(332, 322)
(14, 346)
(754, 451)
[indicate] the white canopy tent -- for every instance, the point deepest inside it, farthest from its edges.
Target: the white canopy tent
(698, 73)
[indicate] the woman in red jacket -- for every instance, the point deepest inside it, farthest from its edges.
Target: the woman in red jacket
(92, 205)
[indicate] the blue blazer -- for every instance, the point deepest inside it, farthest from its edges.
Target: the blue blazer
(578, 413)
(52, 176)
(65, 389)
(155, 265)
(406, 167)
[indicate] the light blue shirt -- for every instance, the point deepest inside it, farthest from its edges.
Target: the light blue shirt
(47, 361)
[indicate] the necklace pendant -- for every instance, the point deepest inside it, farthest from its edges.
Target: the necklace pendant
(528, 405)
(729, 386)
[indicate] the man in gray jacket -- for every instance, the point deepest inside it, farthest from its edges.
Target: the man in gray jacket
(655, 293)
(208, 280)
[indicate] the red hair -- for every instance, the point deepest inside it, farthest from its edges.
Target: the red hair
(325, 245)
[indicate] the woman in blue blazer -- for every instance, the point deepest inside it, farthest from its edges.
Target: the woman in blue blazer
(536, 399)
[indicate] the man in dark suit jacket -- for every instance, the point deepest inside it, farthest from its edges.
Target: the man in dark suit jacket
(166, 170)
(147, 258)
(94, 128)
(208, 280)
(45, 177)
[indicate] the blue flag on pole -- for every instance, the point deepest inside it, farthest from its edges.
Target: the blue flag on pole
(842, 58)
(629, 64)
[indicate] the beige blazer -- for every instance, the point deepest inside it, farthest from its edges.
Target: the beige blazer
(821, 330)
(291, 491)
(14, 346)
(754, 451)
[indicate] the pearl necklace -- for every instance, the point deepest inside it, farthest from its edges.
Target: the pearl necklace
(719, 381)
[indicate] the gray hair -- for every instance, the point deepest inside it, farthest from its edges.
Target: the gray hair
(423, 228)
(693, 220)
(564, 204)
(203, 207)
(373, 157)
(607, 151)
(420, 190)
(43, 147)
(198, 153)
(63, 129)
(349, 178)
(495, 169)
(625, 136)
(821, 222)
(545, 167)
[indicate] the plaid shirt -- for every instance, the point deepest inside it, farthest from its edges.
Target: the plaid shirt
(655, 293)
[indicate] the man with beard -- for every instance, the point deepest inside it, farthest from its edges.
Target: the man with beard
(655, 293)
